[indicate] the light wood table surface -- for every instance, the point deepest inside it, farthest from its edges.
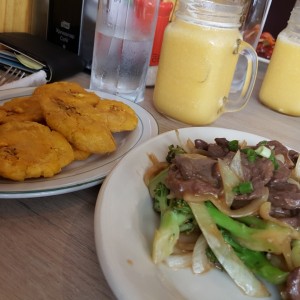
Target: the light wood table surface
(47, 248)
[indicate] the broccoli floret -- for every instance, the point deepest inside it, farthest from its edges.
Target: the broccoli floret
(160, 200)
(175, 217)
(173, 151)
(153, 184)
(185, 215)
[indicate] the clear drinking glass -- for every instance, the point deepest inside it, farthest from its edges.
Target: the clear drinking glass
(255, 19)
(122, 47)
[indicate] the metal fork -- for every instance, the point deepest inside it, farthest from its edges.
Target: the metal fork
(10, 74)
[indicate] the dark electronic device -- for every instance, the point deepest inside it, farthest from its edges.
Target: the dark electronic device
(71, 25)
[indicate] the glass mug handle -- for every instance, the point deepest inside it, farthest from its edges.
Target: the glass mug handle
(244, 77)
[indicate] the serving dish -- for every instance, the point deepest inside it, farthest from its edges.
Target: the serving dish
(79, 174)
(125, 223)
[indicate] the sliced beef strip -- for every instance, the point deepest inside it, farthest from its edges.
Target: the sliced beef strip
(194, 176)
(219, 149)
(293, 221)
(293, 156)
(292, 291)
(279, 212)
(282, 174)
(259, 173)
(195, 166)
(215, 150)
(284, 195)
(200, 144)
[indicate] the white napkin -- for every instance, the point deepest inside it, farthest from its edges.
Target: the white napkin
(33, 80)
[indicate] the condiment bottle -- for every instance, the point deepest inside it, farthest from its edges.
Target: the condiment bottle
(198, 59)
(280, 89)
(164, 11)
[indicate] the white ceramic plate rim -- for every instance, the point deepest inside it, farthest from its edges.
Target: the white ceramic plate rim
(80, 174)
(125, 223)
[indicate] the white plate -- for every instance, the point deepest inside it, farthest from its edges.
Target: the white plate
(125, 223)
(80, 174)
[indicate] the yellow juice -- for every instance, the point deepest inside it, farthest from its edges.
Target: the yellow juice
(195, 71)
(280, 89)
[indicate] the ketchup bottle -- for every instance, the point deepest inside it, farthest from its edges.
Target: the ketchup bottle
(165, 9)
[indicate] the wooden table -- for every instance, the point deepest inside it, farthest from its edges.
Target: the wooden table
(47, 246)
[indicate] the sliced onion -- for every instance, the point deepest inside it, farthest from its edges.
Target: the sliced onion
(296, 253)
(287, 254)
(200, 261)
(190, 145)
(179, 261)
(186, 242)
(280, 157)
(293, 181)
(264, 213)
(230, 180)
(236, 165)
(235, 268)
(296, 170)
(157, 167)
(181, 144)
(251, 209)
(291, 233)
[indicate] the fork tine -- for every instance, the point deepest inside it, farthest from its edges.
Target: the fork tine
(22, 75)
(6, 73)
(18, 74)
(3, 78)
(11, 74)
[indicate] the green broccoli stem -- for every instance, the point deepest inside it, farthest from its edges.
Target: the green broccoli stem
(271, 239)
(254, 222)
(256, 261)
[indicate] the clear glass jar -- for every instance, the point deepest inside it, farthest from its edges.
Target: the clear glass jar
(198, 59)
(280, 89)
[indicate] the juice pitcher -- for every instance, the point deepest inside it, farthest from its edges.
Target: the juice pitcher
(199, 55)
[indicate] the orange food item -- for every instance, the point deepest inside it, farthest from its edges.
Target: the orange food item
(265, 45)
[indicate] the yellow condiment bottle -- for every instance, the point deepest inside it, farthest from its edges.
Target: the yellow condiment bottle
(280, 89)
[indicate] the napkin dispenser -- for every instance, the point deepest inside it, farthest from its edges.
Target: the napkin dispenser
(57, 62)
(71, 25)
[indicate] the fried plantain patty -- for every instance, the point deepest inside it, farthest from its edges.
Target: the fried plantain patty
(31, 150)
(21, 109)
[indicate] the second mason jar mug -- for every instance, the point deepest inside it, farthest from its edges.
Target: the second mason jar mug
(280, 88)
(198, 59)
